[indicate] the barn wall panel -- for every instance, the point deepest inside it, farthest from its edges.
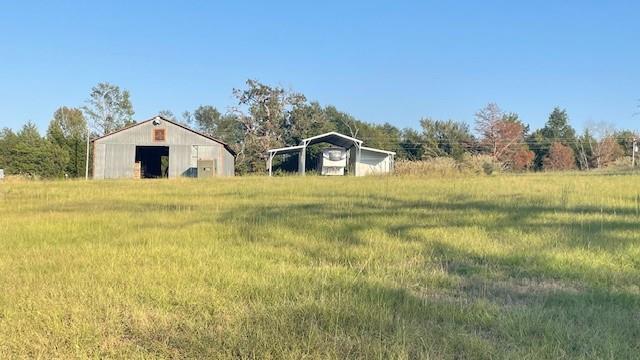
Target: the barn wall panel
(228, 162)
(180, 161)
(119, 161)
(98, 161)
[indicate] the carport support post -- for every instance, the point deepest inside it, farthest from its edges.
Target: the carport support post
(355, 170)
(302, 158)
(270, 162)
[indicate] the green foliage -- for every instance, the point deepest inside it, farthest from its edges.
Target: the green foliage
(264, 112)
(306, 120)
(342, 122)
(31, 155)
(8, 140)
(411, 145)
(625, 140)
(446, 138)
(68, 130)
(556, 129)
(207, 119)
(109, 108)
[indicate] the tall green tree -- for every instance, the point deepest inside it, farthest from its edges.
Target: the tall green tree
(446, 138)
(68, 130)
(556, 130)
(342, 122)
(306, 120)
(207, 119)
(8, 140)
(411, 144)
(263, 111)
(109, 108)
(33, 155)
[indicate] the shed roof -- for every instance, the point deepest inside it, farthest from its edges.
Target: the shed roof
(226, 146)
(378, 150)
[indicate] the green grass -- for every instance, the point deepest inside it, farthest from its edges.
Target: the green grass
(522, 267)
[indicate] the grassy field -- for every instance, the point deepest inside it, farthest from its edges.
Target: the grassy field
(527, 267)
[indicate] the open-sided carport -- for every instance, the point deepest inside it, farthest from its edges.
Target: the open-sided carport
(382, 160)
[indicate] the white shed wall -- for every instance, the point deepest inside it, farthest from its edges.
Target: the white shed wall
(374, 163)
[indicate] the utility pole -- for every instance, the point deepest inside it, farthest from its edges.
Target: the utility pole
(86, 165)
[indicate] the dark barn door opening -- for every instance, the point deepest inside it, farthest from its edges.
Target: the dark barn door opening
(154, 161)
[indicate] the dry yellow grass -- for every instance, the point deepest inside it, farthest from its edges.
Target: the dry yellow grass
(532, 266)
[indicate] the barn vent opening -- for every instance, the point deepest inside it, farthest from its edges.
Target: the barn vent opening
(153, 161)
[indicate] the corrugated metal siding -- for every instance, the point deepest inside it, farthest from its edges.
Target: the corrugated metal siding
(180, 161)
(115, 154)
(98, 161)
(119, 160)
(228, 164)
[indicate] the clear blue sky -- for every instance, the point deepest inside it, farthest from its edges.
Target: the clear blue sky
(380, 61)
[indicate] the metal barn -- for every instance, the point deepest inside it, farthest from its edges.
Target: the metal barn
(160, 148)
(358, 160)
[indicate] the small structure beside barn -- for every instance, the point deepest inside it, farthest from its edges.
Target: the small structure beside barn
(346, 156)
(160, 148)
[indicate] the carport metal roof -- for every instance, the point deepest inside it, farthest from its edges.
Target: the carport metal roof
(333, 138)
(286, 150)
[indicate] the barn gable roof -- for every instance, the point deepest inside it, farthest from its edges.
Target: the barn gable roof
(226, 146)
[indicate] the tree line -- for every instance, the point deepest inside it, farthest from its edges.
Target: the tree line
(266, 116)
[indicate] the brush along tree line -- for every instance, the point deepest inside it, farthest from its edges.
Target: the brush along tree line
(267, 116)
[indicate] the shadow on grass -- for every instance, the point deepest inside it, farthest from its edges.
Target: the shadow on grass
(521, 304)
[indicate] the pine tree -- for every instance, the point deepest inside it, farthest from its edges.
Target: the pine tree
(557, 129)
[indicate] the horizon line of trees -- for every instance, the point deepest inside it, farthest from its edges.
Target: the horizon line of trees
(267, 116)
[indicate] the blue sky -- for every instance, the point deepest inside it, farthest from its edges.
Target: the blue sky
(395, 61)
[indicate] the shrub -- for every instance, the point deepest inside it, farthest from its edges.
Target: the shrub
(481, 164)
(523, 159)
(487, 167)
(561, 157)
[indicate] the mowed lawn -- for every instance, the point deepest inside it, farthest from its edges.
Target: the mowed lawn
(521, 267)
